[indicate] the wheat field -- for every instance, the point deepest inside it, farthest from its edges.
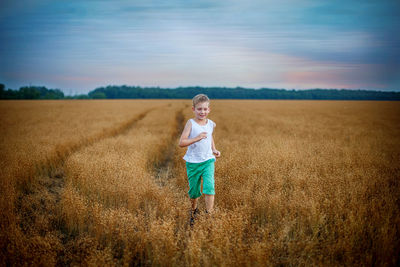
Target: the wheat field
(103, 183)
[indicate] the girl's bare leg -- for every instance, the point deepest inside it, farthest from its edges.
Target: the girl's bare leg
(194, 203)
(209, 203)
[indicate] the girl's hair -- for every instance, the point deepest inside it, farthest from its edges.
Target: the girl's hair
(200, 98)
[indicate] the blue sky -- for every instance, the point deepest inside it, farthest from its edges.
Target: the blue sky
(294, 44)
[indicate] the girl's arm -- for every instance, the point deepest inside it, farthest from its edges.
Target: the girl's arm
(214, 150)
(213, 145)
(185, 140)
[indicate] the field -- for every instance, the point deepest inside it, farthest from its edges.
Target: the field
(103, 182)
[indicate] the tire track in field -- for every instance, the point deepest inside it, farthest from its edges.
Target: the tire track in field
(38, 203)
(163, 168)
(62, 152)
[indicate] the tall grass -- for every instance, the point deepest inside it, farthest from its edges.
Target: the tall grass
(318, 180)
(36, 137)
(298, 183)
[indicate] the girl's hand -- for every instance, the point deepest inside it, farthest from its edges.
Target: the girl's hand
(202, 136)
(216, 153)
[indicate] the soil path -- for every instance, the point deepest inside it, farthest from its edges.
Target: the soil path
(164, 169)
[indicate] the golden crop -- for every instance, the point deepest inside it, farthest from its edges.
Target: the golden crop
(104, 183)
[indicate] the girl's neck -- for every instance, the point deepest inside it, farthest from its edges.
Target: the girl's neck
(201, 122)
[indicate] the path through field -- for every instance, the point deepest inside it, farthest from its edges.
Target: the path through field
(164, 168)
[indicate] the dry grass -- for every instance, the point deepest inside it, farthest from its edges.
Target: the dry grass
(104, 183)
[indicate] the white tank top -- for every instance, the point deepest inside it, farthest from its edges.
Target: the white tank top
(201, 150)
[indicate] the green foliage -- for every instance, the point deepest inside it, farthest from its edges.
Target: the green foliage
(97, 95)
(2, 92)
(32, 92)
(131, 92)
(29, 93)
(81, 97)
(137, 92)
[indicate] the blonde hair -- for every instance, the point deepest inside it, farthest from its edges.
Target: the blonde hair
(200, 98)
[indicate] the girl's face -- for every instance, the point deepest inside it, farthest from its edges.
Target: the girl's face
(201, 110)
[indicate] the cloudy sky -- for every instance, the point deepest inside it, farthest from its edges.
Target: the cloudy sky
(294, 44)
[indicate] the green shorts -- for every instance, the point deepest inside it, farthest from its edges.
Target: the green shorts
(197, 170)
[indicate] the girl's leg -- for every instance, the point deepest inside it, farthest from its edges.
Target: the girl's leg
(209, 202)
(194, 203)
(208, 185)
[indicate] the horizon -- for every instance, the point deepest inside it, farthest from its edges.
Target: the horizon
(78, 46)
(204, 87)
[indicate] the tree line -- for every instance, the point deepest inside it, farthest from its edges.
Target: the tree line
(137, 92)
(31, 92)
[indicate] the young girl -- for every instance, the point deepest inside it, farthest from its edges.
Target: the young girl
(201, 154)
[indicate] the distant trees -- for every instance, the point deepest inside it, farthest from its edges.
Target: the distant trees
(2, 88)
(137, 92)
(132, 92)
(30, 92)
(97, 95)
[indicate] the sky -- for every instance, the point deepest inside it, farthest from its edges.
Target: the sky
(77, 46)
